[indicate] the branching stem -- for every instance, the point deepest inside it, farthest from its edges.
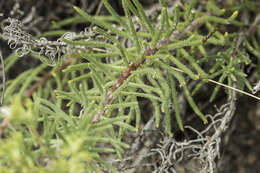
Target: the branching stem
(45, 78)
(120, 81)
(150, 51)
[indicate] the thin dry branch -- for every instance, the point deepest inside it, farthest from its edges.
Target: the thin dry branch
(245, 35)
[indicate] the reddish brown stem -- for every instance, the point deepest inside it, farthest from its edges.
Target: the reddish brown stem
(4, 125)
(150, 51)
(120, 81)
(45, 78)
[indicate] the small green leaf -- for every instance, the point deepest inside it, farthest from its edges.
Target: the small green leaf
(101, 23)
(131, 26)
(189, 98)
(143, 17)
(159, 33)
(221, 79)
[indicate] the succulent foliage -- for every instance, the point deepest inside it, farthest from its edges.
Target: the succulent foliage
(66, 119)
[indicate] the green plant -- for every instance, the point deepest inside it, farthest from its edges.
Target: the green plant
(62, 121)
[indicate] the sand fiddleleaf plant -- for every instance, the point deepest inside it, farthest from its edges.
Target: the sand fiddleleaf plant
(92, 97)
